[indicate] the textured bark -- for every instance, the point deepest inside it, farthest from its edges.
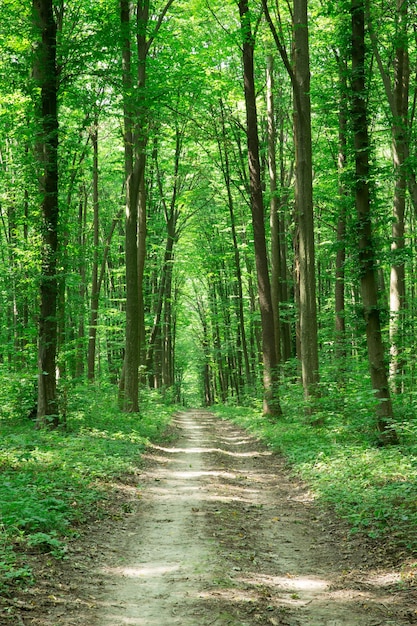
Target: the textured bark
(131, 361)
(367, 262)
(304, 202)
(45, 74)
(270, 364)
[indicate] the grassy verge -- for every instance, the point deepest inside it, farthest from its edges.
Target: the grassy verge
(52, 482)
(373, 488)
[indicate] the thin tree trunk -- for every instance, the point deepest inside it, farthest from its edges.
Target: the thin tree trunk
(45, 74)
(378, 370)
(304, 203)
(400, 154)
(240, 312)
(270, 364)
(131, 362)
(339, 295)
(274, 205)
(397, 93)
(300, 79)
(92, 335)
(79, 357)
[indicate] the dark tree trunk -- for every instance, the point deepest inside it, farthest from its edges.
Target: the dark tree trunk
(45, 74)
(270, 364)
(367, 261)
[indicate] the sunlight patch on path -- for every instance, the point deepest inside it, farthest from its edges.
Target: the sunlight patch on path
(222, 537)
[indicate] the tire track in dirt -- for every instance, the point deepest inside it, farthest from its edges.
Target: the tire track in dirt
(222, 536)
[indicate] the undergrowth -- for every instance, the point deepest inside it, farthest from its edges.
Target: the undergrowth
(373, 488)
(53, 481)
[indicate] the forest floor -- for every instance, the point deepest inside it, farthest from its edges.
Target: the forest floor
(214, 531)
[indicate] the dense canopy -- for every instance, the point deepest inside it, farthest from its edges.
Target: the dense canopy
(210, 199)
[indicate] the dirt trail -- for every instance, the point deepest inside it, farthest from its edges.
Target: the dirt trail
(222, 536)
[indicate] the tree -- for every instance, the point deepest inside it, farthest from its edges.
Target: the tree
(299, 74)
(136, 139)
(397, 93)
(367, 258)
(45, 75)
(270, 362)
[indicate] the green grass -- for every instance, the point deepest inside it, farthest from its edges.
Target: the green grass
(373, 488)
(51, 482)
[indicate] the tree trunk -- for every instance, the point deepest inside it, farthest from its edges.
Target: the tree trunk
(80, 352)
(270, 364)
(274, 204)
(92, 335)
(131, 361)
(45, 74)
(242, 341)
(397, 92)
(367, 259)
(304, 202)
(400, 154)
(339, 291)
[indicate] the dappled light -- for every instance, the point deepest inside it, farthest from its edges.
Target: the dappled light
(254, 453)
(232, 541)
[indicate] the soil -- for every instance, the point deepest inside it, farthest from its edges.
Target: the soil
(215, 531)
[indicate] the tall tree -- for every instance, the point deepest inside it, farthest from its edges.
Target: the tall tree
(397, 93)
(299, 73)
(134, 172)
(269, 357)
(136, 132)
(45, 75)
(274, 216)
(339, 291)
(367, 258)
(92, 335)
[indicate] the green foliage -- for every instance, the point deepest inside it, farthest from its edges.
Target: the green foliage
(51, 482)
(373, 488)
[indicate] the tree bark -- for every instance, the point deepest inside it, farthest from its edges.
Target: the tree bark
(131, 361)
(367, 261)
(270, 364)
(274, 217)
(45, 74)
(304, 203)
(299, 75)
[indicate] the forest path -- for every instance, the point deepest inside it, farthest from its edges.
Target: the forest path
(221, 535)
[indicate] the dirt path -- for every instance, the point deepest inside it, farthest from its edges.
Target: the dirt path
(222, 536)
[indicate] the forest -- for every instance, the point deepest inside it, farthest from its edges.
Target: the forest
(213, 204)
